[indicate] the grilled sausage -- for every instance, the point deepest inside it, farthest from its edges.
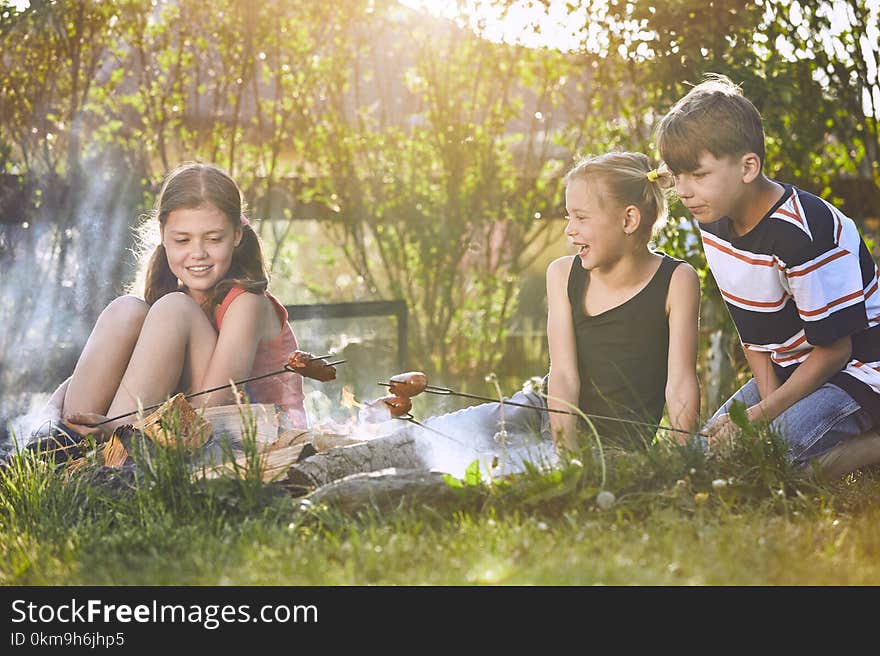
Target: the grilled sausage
(409, 384)
(398, 405)
(308, 366)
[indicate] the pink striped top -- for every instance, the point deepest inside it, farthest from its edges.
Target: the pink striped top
(285, 390)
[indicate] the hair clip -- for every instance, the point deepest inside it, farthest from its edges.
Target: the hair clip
(244, 220)
(652, 175)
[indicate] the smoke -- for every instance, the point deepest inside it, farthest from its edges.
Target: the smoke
(58, 269)
(445, 441)
(452, 442)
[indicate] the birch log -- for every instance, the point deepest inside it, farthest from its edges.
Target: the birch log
(396, 450)
(388, 489)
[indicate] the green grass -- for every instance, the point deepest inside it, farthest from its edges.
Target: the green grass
(679, 518)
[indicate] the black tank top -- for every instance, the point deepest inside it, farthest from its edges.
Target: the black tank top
(622, 356)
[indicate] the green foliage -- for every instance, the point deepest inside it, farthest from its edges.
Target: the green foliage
(35, 498)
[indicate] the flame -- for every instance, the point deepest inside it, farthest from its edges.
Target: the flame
(348, 399)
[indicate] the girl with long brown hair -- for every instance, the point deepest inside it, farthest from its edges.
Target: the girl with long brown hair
(206, 316)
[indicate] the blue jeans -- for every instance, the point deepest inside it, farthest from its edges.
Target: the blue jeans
(815, 424)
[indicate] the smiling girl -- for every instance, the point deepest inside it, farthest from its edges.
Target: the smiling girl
(622, 318)
(206, 317)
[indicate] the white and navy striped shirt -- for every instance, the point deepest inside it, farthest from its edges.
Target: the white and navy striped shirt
(802, 277)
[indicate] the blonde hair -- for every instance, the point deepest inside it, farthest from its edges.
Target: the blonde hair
(713, 117)
(628, 179)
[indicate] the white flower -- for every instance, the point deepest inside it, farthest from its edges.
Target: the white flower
(605, 499)
(719, 483)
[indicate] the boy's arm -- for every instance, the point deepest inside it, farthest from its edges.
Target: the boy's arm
(682, 386)
(565, 381)
(821, 364)
(762, 371)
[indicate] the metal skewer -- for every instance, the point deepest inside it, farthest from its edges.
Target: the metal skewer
(445, 391)
(287, 369)
(412, 420)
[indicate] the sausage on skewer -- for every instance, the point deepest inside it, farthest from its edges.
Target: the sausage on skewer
(397, 405)
(409, 384)
(308, 366)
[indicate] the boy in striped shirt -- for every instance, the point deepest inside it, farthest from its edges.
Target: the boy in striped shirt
(799, 282)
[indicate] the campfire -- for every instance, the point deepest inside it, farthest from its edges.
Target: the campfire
(382, 435)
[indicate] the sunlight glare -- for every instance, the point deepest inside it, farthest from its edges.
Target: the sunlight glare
(524, 23)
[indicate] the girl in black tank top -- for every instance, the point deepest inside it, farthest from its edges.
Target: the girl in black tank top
(622, 355)
(624, 351)
(622, 319)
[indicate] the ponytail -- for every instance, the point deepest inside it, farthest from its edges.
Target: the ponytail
(629, 179)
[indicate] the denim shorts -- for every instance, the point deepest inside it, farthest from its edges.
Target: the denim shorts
(815, 424)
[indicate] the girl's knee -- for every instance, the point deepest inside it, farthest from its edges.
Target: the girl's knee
(178, 309)
(176, 303)
(126, 311)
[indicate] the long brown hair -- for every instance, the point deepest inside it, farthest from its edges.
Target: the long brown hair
(190, 186)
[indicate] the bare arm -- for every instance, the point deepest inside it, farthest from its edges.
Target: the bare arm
(682, 386)
(762, 371)
(565, 383)
(822, 363)
(244, 325)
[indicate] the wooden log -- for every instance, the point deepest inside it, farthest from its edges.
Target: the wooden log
(114, 453)
(235, 420)
(273, 464)
(175, 420)
(327, 441)
(396, 450)
(388, 489)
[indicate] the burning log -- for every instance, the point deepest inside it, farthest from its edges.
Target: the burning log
(396, 450)
(233, 421)
(113, 452)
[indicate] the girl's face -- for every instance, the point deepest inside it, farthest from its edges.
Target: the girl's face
(199, 244)
(595, 225)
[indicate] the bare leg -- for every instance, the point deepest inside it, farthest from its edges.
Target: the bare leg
(105, 357)
(175, 346)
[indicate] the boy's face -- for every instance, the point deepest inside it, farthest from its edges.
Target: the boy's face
(714, 189)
